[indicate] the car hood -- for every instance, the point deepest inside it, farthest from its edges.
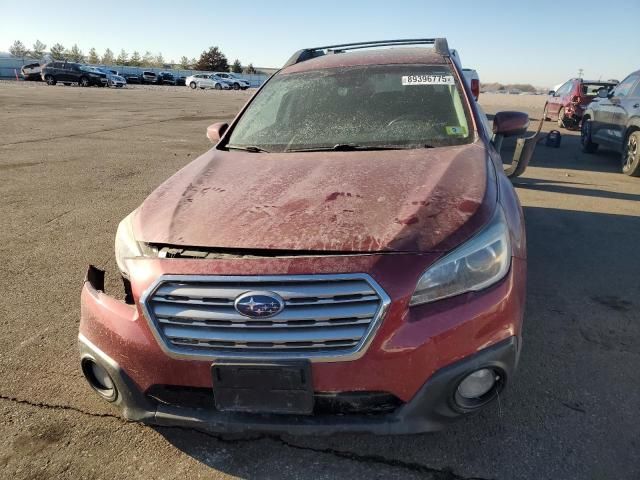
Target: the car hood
(422, 200)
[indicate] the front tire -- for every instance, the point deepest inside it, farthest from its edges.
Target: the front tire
(631, 155)
(561, 118)
(218, 86)
(545, 115)
(236, 86)
(585, 137)
(193, 85)
(50, 79)
(84, 82)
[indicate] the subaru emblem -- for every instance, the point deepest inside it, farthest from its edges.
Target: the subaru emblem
(259, 304)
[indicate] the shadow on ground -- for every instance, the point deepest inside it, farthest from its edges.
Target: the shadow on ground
(568, 156)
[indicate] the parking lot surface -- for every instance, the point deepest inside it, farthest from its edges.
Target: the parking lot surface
(74, 162)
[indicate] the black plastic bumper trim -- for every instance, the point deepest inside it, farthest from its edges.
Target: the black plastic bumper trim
(431, 409)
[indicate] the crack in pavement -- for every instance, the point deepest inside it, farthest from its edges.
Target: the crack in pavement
(437, 474)
(49, 406)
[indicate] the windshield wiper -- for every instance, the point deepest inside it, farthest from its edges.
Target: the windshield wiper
(346, 147)
(351, 147)
(247, 148)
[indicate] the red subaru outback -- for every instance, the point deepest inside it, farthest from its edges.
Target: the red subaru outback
(349, 256)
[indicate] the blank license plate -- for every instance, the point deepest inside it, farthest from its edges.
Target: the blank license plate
(269, 387)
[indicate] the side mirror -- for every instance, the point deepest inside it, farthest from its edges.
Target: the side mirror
(551, 92)
(215, 131)
(603, 92)
(509, 124)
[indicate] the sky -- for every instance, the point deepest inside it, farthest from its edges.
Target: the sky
(538, 42)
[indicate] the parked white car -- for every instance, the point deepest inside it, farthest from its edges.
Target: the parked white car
(236, 82)
(31, 72)
(206, 80)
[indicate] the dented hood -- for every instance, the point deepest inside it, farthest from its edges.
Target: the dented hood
(422, 200)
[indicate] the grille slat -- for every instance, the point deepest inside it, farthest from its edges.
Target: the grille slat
(297, 302)
(287, 290)
(267, 322)
(323, 314)
(244, 335)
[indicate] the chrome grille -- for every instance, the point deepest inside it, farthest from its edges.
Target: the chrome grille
(326, 317)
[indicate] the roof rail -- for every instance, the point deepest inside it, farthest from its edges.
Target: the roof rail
(440, 44)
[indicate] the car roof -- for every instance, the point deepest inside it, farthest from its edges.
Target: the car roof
(383, 56)
(606, 82)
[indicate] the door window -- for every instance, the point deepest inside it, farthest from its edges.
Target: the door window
(564, 89)
(623, 89)
(636, 91)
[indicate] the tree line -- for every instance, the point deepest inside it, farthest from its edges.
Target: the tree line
(211, 59)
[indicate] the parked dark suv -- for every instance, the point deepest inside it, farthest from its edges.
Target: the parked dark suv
(613, 121)
(68, 73)
(166, 78)
(567, 104)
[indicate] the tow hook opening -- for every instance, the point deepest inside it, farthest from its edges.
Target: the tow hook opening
(99, 379)
(95, 277)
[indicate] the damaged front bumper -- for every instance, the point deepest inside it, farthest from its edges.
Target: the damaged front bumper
(430, 409)
(418, 355)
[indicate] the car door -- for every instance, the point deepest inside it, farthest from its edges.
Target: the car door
(62, 73)
(626, 104)
(554, 101)
(74, 72)
(604, 129)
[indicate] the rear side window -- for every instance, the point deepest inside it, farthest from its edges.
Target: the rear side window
(403, 106)
(624, 88)
(591, 89)
(564, 89)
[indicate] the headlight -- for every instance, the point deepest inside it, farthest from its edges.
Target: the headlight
(127, 246)
(477, 264)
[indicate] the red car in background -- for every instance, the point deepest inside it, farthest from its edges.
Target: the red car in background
(567, 104)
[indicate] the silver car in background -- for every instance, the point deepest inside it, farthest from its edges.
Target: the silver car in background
(207, 80)
(114, 79)
(236, 82)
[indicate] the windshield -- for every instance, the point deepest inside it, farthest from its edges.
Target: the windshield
(403, 106)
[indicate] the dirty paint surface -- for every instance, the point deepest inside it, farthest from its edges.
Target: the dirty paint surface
(424, 200)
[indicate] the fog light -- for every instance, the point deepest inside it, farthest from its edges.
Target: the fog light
(102, 377)
(477, 384)
(99, 379)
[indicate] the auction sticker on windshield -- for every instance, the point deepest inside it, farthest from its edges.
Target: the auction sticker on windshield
(427, 80)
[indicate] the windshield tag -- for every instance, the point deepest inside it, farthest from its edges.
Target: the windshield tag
(457, 130)
(427, 80)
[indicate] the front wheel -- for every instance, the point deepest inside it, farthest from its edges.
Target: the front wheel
(631, 155)
(218, 86)
(545, 115)
(585, 137)
(84, 82)
(193, 85)
(236, 86)
(561, 117)
(50, 79)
